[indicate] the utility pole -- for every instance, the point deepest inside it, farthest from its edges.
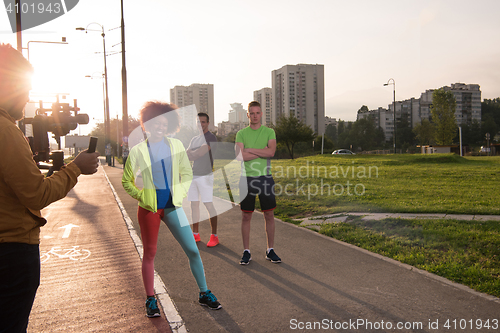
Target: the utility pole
(124, 93)
(18, 26)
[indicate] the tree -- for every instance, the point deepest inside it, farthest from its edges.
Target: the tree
(443, 116)
(344, 140)
(491, 107)
(490, 116)
(471, 133)
(231, 137)
(115, 124)
(424, 132)
(331, 132)
(362, 134)
(488, 125)
(379, 138)
(290, 131)
(341, 127)
(186, 134)
(363, 109)
(404, 133)
(327, 144)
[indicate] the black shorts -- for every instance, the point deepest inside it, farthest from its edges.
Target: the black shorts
(262, 186)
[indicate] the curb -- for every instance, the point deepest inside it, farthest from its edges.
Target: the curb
(171, 313)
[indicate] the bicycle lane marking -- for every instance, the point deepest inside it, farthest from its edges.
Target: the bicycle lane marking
(52, 235)
(73, 253)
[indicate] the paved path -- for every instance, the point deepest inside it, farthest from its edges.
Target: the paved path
(91, 281)
(321, 280)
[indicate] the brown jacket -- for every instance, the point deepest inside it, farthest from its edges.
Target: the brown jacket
(24, 190)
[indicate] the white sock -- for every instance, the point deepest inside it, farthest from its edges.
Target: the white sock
(246, 250)
(269, 249)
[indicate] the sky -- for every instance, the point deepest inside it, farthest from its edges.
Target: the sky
(235, 45)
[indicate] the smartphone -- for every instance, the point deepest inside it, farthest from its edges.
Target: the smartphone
(92, 144)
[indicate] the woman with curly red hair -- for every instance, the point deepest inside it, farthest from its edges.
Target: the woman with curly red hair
(166, 175)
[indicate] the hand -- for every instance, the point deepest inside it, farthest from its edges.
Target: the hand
(87, 162)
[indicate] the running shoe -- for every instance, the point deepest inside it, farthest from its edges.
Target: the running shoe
(209, 299)
(152, 309)
(197, 237)
(245, 260)
(214, 240)
(273, 257)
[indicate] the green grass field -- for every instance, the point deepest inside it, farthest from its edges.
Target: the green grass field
(466, 252)
(439, 183)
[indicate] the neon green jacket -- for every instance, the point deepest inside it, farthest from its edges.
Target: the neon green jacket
(140, 161)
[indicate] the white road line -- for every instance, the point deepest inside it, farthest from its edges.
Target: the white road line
(175, 320)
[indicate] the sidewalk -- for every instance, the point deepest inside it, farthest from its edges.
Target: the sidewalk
(315, 221)
(320, 279)
(91, 281)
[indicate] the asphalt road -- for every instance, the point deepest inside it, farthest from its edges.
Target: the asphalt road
(90, 272)
(322, 284)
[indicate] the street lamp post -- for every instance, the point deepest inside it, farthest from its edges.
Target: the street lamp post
(106, 120)
(393, 109)
(101, 76)
(38, 41)
(124, 91)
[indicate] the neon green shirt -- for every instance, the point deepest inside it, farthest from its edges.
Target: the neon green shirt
(259, 139)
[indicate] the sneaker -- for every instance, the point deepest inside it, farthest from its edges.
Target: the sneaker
(214, 240)
(273, 257)
(246, 258)
(152, 309)
(197, 237)
(209, 299)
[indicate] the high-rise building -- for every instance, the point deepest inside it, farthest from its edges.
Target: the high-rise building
(468, 108)
(381, 118)
(227, 127)
(468, 104)
(237, 113)
(468, 98)
(201, 95)
(265, 97)
(299, 91)
(329, 120)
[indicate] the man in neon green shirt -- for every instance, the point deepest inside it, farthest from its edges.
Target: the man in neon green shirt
(255, 145)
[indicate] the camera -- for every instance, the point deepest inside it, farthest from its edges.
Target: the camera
(60, 119)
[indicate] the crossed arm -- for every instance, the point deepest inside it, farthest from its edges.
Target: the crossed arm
(248, 154)
(194, 154)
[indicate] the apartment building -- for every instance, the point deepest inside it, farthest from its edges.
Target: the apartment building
(329, 121)
(200, 95)
(265, 97)
(468, 98)
(227, 127)
(381, 118)
(468, 108)
(299, 91)
(237, 113)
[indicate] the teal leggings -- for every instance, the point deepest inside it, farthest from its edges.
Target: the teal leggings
(177, 222)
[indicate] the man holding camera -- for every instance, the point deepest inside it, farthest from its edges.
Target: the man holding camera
(24, 191)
